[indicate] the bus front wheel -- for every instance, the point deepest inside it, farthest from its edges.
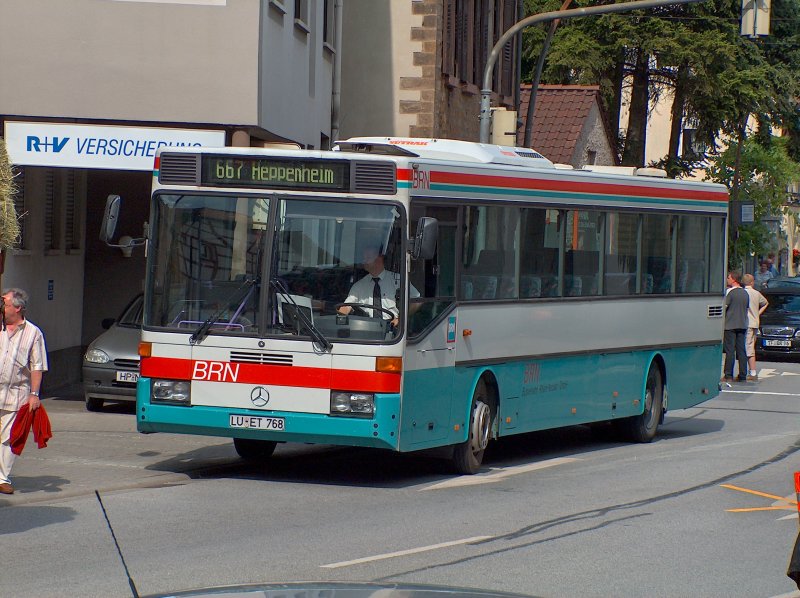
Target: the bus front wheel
(642, 428)
(468, 456)
(254, 450)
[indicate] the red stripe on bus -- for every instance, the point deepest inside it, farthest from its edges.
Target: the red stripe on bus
(279, 375)
(481, 180)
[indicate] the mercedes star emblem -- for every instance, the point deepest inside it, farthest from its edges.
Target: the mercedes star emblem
(259, 396)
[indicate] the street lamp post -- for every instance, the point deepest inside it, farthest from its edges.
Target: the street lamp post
(486, 91)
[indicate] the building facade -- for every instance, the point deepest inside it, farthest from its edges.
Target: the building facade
(414, 68)
(90, 88)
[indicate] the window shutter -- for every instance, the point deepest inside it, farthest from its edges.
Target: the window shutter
(509, 54)
(50, 220)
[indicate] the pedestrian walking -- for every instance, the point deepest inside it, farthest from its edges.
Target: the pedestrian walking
(756, 305)
(736, 303)
(23, 361)
(763, 276)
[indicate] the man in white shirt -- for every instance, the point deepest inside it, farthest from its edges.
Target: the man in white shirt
(755, 307)
(378, 288)
(23, 361)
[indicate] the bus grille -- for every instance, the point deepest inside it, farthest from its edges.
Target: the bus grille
(375, 177)
(262, 358)
(179, 169)
(714, 311)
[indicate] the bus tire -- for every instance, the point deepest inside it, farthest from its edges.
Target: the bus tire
(254, 450)
(642, 428)
(468, 456)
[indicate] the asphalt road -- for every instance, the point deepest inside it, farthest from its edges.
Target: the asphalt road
(708, 509)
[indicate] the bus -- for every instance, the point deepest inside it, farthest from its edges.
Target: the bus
(527, 296)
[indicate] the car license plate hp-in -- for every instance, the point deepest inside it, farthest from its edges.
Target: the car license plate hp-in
(131, 377)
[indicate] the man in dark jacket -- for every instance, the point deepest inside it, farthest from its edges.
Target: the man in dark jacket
(736, 303)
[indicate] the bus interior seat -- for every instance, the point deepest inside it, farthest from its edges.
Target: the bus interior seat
(573, 286)
(620, 283)
(530, 286)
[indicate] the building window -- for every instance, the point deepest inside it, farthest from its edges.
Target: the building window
(301, 15)
(278, 5)
(328, 24)
(52, 212)
(470, 34)
(692, 148)
(63, 193)
(72, 199)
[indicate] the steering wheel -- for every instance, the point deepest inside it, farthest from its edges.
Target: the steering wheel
(363, 307)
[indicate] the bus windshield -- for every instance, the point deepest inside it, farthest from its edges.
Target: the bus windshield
(216, 267)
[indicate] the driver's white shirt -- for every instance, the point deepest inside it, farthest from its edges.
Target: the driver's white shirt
(361, 292)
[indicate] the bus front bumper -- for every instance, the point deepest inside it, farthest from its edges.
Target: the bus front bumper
(379, 431)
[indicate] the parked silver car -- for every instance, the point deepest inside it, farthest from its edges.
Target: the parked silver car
(111, 362)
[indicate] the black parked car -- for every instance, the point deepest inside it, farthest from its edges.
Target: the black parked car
(779, 334)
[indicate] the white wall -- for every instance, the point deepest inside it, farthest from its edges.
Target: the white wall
(377, 53)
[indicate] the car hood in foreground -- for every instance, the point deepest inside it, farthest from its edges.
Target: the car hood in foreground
(340, 590)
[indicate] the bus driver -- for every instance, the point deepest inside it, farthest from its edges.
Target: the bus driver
(379, 287)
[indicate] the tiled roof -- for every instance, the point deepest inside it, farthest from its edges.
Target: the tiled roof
(561, 111)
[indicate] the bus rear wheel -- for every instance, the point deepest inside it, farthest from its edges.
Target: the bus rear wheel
(254, 450)
(642, 428)
(468, 456)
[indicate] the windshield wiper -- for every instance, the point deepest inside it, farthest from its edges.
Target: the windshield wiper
(202, 330)
(315, 334)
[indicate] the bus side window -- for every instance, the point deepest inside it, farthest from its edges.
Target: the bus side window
(433, 278)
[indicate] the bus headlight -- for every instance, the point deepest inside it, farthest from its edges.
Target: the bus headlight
(171, 391)
(352, 403)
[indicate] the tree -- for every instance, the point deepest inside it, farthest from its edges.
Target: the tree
(765, 172)
(692, 53)
(9, 225)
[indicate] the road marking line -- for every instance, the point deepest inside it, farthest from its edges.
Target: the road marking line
(757, 493)
(788, 517)
(756, 392)
(391, 555)
(497, 475)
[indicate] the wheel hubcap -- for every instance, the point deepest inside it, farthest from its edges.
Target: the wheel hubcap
(481, 424)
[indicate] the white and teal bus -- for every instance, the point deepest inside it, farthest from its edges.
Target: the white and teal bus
(530, 296)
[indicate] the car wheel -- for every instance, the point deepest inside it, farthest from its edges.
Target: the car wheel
(93, 403)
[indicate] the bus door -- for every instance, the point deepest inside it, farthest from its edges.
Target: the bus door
(429, 361)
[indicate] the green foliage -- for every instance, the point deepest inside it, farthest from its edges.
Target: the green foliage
(728, 78)
(765, 172)
(9, 226)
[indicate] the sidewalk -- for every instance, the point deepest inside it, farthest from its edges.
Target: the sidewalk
(103, 451)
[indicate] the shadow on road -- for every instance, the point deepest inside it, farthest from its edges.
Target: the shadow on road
(18, 519)
(346, 466)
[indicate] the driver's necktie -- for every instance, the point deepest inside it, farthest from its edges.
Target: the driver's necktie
(376, 296)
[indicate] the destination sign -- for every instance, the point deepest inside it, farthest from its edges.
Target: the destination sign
(275, 173)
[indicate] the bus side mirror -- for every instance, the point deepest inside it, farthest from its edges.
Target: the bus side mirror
(110, 216)
(424, 245)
